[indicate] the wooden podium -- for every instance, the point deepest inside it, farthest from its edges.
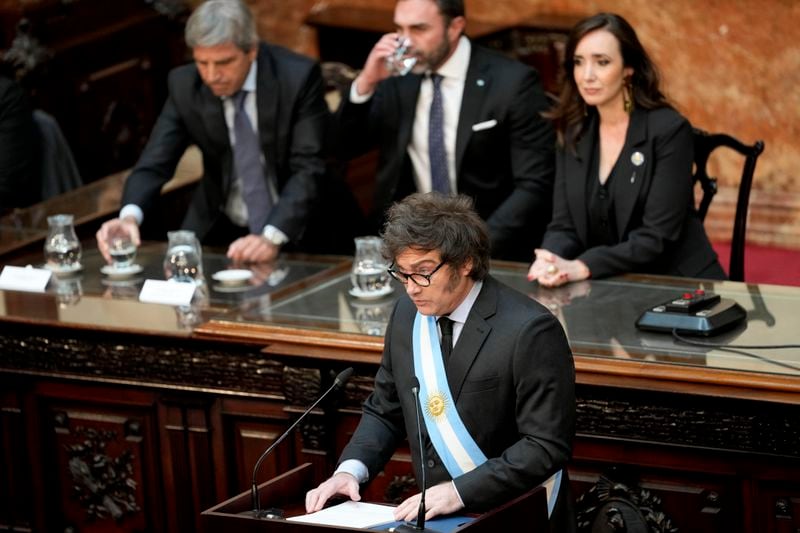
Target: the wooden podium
(288, 490)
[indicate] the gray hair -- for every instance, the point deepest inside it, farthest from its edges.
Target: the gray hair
(218, 22)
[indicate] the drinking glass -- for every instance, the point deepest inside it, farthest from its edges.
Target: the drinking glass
(373, 317)
(184, 259)
(369, 273)
(121, 248)
(62, 249)
(400, 63)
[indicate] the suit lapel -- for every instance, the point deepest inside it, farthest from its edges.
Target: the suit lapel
(267, 106)
(577, 173)
(628, 175)
(472, 337)
(214, 118)
(476, 87)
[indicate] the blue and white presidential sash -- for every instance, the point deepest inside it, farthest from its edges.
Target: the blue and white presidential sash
(456, 447)
(449, 436)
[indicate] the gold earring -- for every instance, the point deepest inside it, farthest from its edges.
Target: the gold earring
(627, 96)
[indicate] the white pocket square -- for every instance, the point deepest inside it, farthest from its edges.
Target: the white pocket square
(484, 125)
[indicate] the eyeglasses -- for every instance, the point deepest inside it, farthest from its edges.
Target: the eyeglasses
(423, 280)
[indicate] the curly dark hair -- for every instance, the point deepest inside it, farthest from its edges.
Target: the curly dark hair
(433, 221)
(571, 114)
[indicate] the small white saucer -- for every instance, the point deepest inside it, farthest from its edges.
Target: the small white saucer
(121, 273)
(77, 267)
(218, 287)
(232, 278)
(371, 295)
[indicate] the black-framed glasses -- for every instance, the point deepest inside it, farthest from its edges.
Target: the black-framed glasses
(423, 280)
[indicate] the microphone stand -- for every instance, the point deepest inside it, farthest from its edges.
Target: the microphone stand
(338, 383)
(420, 525)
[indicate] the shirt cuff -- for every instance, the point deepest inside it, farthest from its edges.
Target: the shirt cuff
(274, 235)
(457, 494)
(132, 210)
(356, 98)
(355, 468)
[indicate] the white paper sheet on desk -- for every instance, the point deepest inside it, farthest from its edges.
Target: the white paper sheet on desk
(350, 514)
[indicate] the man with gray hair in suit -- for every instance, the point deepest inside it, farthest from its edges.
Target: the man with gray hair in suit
(257, 113)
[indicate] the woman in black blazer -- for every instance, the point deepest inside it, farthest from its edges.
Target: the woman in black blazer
(623, 198)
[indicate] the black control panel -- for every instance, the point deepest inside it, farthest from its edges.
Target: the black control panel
(693, 313)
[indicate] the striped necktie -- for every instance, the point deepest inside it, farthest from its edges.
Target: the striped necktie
(437, 153)
(247, 161)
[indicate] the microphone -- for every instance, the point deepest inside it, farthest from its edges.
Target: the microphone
(338, 383)
(420, 526)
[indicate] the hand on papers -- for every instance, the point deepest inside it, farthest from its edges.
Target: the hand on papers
(252, 249)
(341, 483)
(440, 499)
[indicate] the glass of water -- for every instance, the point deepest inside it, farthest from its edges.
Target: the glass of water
(369, 274)
(400, 63)
(121, 248)
(62, 249)
(184, 260)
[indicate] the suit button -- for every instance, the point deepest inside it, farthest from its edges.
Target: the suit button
(431, 463)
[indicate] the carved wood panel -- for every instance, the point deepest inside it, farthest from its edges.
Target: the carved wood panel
(779, 506)
(668, 499)
(99, 460)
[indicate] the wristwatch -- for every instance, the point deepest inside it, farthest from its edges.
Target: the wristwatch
(274, 236)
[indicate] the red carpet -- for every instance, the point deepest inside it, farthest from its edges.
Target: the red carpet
(762, 264)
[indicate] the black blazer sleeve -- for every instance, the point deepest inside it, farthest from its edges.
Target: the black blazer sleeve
(561, 237)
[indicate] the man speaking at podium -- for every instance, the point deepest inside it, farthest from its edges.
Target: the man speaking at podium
(492, 367)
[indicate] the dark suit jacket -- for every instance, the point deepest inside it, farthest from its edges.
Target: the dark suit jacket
(507, 169)
(291, 123)
(20, 180)
(512, 378)
(657, 227)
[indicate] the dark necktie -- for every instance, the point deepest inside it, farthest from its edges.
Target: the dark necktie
(436, 150)
(446, 325)
(247, 160)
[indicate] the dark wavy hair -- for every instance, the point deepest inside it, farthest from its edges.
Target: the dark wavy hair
(571, 113)
(433, 221)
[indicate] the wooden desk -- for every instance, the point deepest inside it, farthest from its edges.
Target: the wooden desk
(182, 401)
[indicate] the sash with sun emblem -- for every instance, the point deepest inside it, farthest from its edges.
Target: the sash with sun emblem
(449, 436)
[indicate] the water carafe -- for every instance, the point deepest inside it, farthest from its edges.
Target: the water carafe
(369, 275)
(184, 259)
(62, 249)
